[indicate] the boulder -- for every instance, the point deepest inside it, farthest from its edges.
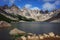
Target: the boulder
(16, 31)
(4, 24)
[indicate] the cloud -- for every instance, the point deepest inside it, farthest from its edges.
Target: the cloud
(48, 6)
(11, 1)
(27, 5)
(35, 8)
(57, 2)
(48, 0)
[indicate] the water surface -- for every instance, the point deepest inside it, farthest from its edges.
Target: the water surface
(38, 27)
(33, 27)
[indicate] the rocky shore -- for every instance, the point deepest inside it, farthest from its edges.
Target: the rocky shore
(4, 25)
(21, 35)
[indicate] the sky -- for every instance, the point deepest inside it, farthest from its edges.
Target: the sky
(33, 4)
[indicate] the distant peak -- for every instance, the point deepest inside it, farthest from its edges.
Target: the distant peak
(14, 6)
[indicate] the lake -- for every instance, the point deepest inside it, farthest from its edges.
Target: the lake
(38, 27)
(33, 27)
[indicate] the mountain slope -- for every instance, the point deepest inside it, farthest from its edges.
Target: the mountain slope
(55, 17)
(12, 18)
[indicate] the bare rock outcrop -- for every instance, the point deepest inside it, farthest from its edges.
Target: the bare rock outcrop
(4, 24)
(16, 31)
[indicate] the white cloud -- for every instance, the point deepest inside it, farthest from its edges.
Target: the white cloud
(11, 1)
(57, 2)
(28, 6)
(48, 0)
(48, 6)
(35, 8)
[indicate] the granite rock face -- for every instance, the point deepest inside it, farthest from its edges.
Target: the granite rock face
(16, 31)
(34, 14)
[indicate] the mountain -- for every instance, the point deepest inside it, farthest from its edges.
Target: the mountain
(10, 15)
(4, 16)
(55, 18)
(27, 14)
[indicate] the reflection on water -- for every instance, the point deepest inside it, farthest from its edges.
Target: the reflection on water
(4, 35)
(38, 27)
(33, 27)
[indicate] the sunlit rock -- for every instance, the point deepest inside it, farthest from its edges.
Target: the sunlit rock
(33, 37)
(28, 37)
(4, 24)
(22, 21)
(57, 36)
(36, 38)
(45, 35)
(41, 36)
(51, 34)
(30, 34)
(23, 38)
(16, 31)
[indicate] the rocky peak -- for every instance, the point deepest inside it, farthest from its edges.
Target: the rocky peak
(38, 15)
(5, 7)
(14, 7)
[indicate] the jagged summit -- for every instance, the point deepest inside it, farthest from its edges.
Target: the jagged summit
(14, 6)
(38, 15)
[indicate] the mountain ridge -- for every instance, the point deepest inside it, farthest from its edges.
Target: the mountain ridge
(37, 15)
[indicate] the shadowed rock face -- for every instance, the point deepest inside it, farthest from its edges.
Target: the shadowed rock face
(4, 24)
(55, 18)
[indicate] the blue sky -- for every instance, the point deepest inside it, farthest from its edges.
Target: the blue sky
(33, 4)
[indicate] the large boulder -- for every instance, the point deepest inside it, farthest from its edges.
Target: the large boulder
(4, 24)
(16, 31)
